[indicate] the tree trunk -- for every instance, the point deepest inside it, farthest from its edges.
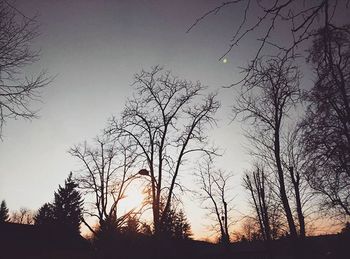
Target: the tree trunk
(284, 198)
(296, 182)
(227, 234)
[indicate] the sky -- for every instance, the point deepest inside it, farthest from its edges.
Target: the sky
(93, 48)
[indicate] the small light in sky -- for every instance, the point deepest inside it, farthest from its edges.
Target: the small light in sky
(224, 60)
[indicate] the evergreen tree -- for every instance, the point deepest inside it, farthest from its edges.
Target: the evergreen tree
(4, 212)
(67, 207)
(146, 229)
(65, 213)
(132, 226)
(182, 226)
(175, 225)
(45, 216)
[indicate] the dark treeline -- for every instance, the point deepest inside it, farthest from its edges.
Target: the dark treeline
(299, 147)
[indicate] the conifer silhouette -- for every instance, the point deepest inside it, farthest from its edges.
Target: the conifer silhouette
(4, 212)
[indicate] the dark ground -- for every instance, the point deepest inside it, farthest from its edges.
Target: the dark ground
(25, 241)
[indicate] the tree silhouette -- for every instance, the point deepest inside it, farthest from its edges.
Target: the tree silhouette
(4, 212)
(67, 207)
(326, 126)
(267, 95)
(145, 229)
(45, 216)
(106, 173)
(256, 183)
(65, 213)
(216, 198)
(23, 216)
(166, 120)
(16, 33)
(175, 225)
(346, 229)
(182, 228)
(265, 21)
(132, 226)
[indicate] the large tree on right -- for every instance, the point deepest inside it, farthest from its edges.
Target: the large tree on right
(326, 126)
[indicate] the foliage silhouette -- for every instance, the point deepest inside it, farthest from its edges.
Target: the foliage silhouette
(175, 225)
(65, 213)
(67, 207)
(45, 216)
(4, 212)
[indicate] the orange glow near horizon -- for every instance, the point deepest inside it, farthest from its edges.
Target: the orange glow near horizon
(133, 200)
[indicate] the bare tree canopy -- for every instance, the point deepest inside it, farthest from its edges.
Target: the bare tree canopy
(216, 197)
(16, 89)
(166, 120)
(23, 216)
(107, 169)
(326, 126)
(267, 95)
(267, 19)
(256, 183)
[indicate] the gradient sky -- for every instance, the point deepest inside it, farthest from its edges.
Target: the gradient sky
(94, 48)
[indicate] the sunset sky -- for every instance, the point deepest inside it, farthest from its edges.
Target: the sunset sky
(93, 48)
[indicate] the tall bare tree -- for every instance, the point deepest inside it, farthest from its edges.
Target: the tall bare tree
(216, 198)
(17, 32)
(267, 96)
(297, 163)
(256, 183)
(107, 171)
(166, 120)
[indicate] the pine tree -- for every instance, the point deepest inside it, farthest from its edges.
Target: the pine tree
(175, 225)
(45, 216)
(68, 207)
(4, 212)
(132, 226)
(182, 226)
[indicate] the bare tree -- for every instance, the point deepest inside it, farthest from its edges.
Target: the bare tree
(23, 216)
(326, 126)
(107, 171)
(216, 198)
(266, 20)
(256, 183)
(266, 97)
(16, 90)
(249, 230)
(297, 164)
(299, 23)
(166, 120)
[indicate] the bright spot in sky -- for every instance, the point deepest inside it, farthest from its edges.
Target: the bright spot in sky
(224, 60)
(133, 200)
